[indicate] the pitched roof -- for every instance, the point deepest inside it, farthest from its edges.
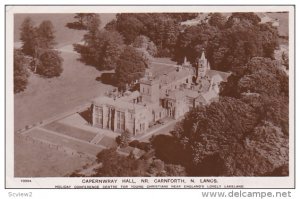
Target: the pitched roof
(117, 102)
(174, 75)
(176, 94)
(223, 75)
(191, 93)
(209, 95)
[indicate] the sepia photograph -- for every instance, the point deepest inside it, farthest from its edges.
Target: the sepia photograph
(150, 97)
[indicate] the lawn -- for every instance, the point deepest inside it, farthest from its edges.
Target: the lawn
(44, 98)
(70, 131)
(66, 142)
(38, 160)
(108, 142)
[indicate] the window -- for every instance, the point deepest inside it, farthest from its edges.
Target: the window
(99, 116)
(120, 120)
(187, 80)
(143, 126)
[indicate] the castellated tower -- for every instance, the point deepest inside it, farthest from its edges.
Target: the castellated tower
(149, 88)
(202, 66)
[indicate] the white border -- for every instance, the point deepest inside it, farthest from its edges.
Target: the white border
(248, 182)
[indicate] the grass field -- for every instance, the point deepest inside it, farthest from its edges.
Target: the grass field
(75, 145)
(38, 160)
(45, 98)
(70, 131)
(108, 142)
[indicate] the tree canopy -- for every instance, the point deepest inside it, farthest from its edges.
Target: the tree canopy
(46, 35)
(50, 64)
(38, 42)
(131, 67)
(260, 75)
(229, 43)
(229, 137)
(101, 49)
(28, 37)
(20, 71)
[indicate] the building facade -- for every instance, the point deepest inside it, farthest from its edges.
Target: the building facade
(166, 90)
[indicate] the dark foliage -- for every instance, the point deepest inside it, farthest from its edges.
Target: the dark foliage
(146, 146)
(50, 64)
(259, 76)
(228, 44)
(218, 137)
(131, 67)
(46, 36)
(123, 139)
(115, 165)
(101, 49)
(83, 21)
(20, 72)
(75, 25)
(162, 28)
(28, 37)
(107, 78)
(167, 149)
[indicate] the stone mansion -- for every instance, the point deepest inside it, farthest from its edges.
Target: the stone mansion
(166, 90)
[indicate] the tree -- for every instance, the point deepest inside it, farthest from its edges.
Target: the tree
(217, 19)
(243, 16)
(80, 17)
(265, 150)
(116, 165)
(50, 64)
(235, 137)
(161, 28)
(263, 76)
(20, 72)
(167, 149)
(46, 35)
(273, 109)
(124, 139)
(141, 42)
(101, 49)
(28, 37)
(207, 131)
(175, 170)
(129, 26)
(234, 43)
(130, 67)
(191, 42)
(144, 45)
(37, 41)
(157, 168)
